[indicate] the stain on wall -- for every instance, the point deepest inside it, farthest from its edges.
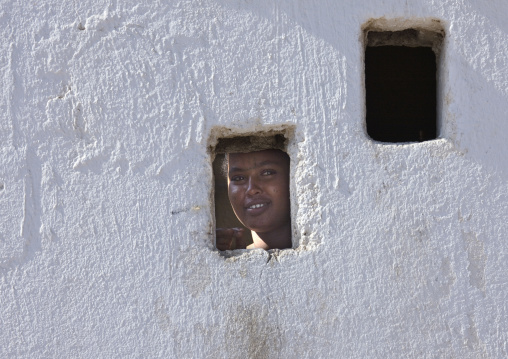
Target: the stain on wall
(477, 260)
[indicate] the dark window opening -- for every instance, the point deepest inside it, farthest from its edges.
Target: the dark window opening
(401, 85)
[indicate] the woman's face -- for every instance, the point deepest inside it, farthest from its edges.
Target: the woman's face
(258, 188)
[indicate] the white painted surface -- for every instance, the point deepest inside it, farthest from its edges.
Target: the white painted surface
(105, 219)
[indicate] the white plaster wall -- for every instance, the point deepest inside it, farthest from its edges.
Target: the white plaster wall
(106, 225)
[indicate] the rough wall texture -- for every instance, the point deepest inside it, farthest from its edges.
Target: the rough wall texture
(106, 224)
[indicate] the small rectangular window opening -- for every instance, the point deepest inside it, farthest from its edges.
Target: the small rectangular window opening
(259, 176)
(401, 84)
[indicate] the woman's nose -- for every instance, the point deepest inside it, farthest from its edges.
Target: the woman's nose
(253, 187)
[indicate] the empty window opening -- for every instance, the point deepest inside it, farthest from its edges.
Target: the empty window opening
(401, 85)
(252, 201)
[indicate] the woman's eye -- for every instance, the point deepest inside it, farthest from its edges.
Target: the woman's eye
(236, 178)
(268, 172)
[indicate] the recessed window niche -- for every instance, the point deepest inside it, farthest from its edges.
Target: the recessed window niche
(401, 81)
(251, 191)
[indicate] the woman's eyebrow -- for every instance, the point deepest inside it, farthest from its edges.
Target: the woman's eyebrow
(235, 169)
(267, 162)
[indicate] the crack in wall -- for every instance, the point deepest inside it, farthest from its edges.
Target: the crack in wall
(12, 106)
(31, 222)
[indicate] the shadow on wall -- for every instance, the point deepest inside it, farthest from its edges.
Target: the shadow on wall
(475, 96)
(301, 13)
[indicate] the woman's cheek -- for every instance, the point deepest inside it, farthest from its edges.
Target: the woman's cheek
(234, 194)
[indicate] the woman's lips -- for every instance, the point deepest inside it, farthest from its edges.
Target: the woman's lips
(257, 208)
(257, 205)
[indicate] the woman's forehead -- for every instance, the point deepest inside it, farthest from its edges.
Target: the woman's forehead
(257, 158)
